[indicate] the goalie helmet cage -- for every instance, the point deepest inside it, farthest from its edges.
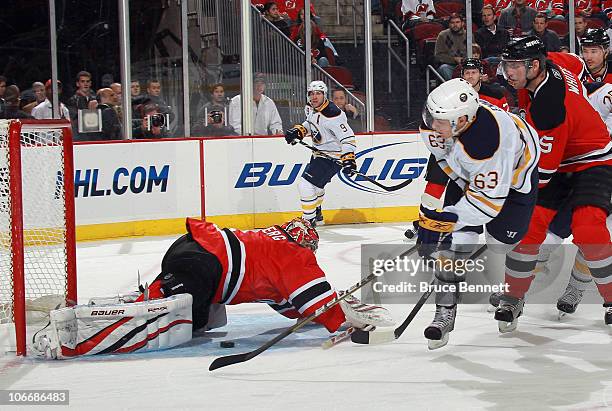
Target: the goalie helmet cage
(37, 228)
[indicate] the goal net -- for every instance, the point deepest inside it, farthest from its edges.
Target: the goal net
(37, 239)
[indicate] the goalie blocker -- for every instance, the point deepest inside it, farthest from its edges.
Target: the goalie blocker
(216, 267)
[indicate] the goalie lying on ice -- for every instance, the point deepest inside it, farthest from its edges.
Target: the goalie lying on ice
(203, 271)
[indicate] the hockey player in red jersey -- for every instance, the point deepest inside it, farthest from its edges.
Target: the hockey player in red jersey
(472, 71)
(594, 47)
(203, 271)
(575, 167)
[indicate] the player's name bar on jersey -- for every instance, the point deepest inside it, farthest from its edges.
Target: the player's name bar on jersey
(34, 397)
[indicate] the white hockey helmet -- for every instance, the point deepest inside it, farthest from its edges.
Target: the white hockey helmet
(450, 101)
(317, 85)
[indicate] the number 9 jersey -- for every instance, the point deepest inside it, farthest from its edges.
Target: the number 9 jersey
(496, 153)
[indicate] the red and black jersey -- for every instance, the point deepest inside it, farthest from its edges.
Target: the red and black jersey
(268, 266)
(494, 94)
(572, 135)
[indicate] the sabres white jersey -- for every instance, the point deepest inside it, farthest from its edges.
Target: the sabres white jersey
(497, 153)
(329, 129)
(600, 97)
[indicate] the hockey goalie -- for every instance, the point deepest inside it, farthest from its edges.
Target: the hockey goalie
(203, 271)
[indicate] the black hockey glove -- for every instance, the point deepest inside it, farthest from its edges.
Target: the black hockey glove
(349, 166)
(295, 134)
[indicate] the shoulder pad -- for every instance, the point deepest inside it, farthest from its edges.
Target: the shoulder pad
(331, 110)
(481, 140)
(545, 115)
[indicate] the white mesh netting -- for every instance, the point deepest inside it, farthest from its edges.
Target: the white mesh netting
(44, 221)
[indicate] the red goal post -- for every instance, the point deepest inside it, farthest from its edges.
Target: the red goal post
(37, 226)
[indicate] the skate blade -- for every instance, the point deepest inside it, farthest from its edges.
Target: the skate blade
(435, 344)
(506, 327)
(561, 315)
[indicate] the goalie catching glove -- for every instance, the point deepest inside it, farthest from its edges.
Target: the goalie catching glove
(295, 134)
(349, 165)
(432, 224)
(122, 327)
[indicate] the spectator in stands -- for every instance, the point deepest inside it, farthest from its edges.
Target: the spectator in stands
(415, 11)
(491, 37)
(550, 8)
(497, 5)
(548, 37)
(11, 104)
(83, 99)
(587, 8)
(154, 96)
(317, 45)
(215, 126)
(352, 114)
(118, 107)
(487, 73)
(517, 19)
(3, 81)
(451, 46)
(218, 102)
(111, 126)
(36, 97)
(135, 88)
(580, 27)
(273, 15)
(151, 123)
(266, 119)
(44, 110)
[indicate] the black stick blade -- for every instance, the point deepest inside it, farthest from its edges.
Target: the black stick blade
(360, 337)
(228, 360)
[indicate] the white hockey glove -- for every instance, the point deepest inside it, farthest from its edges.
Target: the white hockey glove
(115, 328)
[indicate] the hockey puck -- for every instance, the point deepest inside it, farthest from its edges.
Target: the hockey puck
(410, 233)
(227, 344)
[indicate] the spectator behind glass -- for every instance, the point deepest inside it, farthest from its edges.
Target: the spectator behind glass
(11, 104)
(266, 119)
(218, 102)
(154, 96)
(415, 11)
(491, 37)
(352, 114)
(149, 125)
(273, 15)
(517, 19)
(580, 26)
(451, 46)
(216, 126)
(135, 88)
(44, 110)
(540, 29)
(111, 127)
(36, 97)
(118, 107)
(83, 99)
(318, 49)
(3, 81)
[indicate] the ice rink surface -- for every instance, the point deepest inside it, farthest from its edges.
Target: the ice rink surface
(544, 365)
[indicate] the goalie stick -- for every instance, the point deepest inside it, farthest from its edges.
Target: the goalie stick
(369, 179)
(365, 337)
(239, 358)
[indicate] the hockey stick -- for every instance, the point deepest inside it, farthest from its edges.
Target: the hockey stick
(365, 337)
(238, 358)
(343, 336)
(369, 179)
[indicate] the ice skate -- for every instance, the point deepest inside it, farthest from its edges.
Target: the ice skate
(319, 216)
(360, 315)
(568, 302)
(442, 324)
(508, 313)
(608, 314)
(494, 302)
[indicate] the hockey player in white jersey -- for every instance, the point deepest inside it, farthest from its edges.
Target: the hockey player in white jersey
(492, 155)
(331, 134)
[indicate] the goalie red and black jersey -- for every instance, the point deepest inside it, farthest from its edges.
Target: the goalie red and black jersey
(572, 135)
(268, 266)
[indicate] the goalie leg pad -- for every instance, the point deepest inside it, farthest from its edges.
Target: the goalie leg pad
(112, 329)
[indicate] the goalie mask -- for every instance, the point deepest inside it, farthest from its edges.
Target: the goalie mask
(302, 232)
